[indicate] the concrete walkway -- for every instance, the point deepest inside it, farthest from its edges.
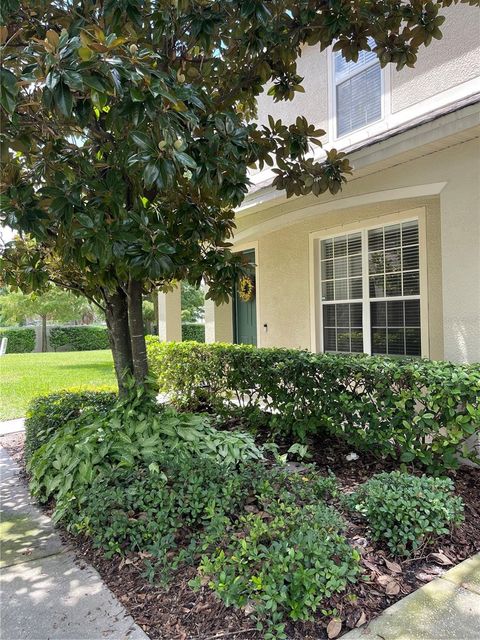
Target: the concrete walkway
(447, 608)
(45, 595)
(12, 426)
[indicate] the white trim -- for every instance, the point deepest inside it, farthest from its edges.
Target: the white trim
(316, 329)
(337, 204)
(248, 246)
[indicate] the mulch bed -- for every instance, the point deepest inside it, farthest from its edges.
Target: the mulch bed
(178, 613)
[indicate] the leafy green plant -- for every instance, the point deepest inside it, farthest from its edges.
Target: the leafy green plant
(407, 511)
(417, 411)
(172, 510)
(193, 331)
(47, 414)
(135, 431)
(287, 561)
(81, 338)
(21, 340)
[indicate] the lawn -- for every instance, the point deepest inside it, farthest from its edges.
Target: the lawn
(24, 376)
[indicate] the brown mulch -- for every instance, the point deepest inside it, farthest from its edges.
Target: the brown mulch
(178, 613)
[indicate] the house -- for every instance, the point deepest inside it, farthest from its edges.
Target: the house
(391, 264)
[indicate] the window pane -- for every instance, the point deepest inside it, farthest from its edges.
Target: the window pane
(375, 239)
(343, 315)
(327, 291)
(329, 315)
(340, 246)
(343, 339)
(341, 290)
(410, 258)
(355, 288)
(340, 267)
(378, 314)
(327, 269)
(327, 248)
(354, 243)
(329, 340)
(411, 283)
(412, 313)
(356, 318)
(343, 68)
(393, 284)
(393, 260)
(392, 236)
(379, 341)
(410, 232)
(376, 262)
(355, 265)
(396, 342)
(395, 313)
(377, 286)
(357, 341)
(413, 342)
(359, 100)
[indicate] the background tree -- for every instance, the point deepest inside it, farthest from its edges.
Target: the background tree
(193, 301)
(53, 305)
(128, 131)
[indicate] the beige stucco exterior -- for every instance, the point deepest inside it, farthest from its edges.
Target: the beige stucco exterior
(443, 183)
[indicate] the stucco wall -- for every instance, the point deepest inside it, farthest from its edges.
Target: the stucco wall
(444, 63)
(453, 254)
(313, 104)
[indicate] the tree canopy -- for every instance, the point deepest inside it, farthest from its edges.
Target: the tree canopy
(128, 130)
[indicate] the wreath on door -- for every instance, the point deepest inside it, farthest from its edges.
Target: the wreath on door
(246, 288)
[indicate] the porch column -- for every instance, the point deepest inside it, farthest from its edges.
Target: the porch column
(170, 315)
(218, 322)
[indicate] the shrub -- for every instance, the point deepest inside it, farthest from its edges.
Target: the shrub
(47, 414)
(407, 511)
(81, 338)
(186, 503)
(20, 340)
(416, 410)
(193, 331)
(135, 432)
(288, 560)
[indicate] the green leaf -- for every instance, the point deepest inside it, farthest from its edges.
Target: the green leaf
(142, 140)
(185, 159)
(150, 174)
(63, 99)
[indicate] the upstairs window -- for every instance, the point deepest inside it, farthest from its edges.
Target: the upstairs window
(358, 91)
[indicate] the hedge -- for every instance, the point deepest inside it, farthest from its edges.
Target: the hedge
(193, 331)
(46, 414)
(418, 411)
(80, 338)
(20, 340)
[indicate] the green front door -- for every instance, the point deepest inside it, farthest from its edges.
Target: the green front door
(245, 312)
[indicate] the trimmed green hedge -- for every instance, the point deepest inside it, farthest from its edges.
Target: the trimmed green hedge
(20, 339)
(46, 414)
(414, 410)
(80, 338)
(193, 331)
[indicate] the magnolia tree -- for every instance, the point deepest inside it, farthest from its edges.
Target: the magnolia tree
(128, 129)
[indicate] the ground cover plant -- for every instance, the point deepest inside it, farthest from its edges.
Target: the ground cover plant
(207, 511)
(24, 377)
(412, 410)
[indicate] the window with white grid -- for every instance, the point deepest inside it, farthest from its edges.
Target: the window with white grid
(358, 91)
(370, 291)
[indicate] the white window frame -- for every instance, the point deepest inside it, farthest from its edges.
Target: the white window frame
(356, 135)
(316, 279)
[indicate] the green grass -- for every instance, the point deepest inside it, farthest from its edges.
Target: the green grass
(24, 376)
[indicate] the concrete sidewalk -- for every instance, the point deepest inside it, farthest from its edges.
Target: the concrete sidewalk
(45, 595)
(12, 426)
(448, 608)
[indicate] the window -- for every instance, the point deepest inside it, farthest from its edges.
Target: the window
(370, 284)
(358, 91)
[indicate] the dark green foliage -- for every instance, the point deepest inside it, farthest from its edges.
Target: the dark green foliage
(47, 414)
(80, 338)
(135, 431)
(193, 331)
(405, 511)
(21, 340)
(185, 503)
(290, 556)
(414, 410)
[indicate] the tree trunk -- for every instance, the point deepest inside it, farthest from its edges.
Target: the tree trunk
(137, 335)
(119, 336)
(44, 334)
